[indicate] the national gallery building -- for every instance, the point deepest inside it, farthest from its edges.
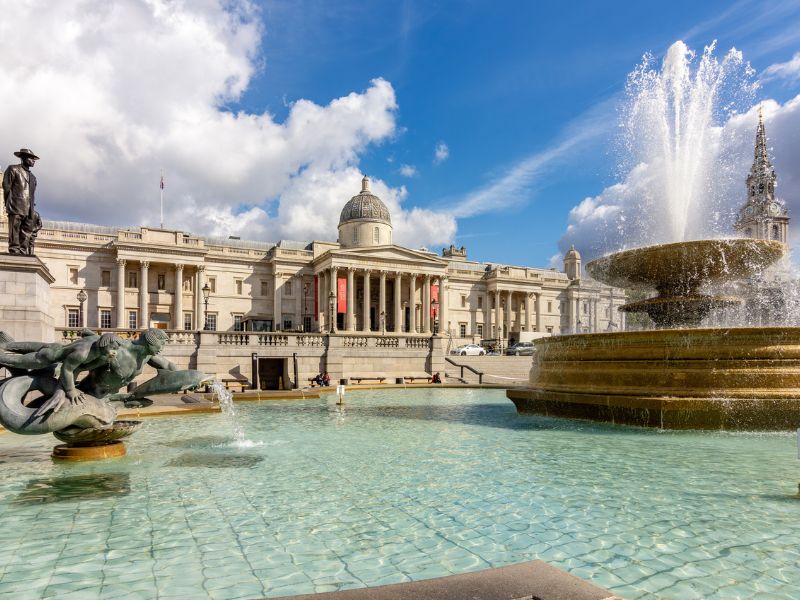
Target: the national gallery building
(134, 278)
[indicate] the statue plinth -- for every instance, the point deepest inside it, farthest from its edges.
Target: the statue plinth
(25, 298)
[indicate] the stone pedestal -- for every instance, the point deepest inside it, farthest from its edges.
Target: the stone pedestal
(25, 298)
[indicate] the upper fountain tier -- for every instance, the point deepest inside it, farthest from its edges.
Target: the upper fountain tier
(677, 272)
(684, 266)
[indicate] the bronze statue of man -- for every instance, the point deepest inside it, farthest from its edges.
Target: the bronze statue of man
(19, 188)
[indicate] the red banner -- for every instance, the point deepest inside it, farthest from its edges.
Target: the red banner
(434, 296)
(341, 297)
(316, 297)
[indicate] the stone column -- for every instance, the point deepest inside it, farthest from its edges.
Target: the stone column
(199, 305)
(382, 302)
(350, 324)
(443, 299)
(121, 322)
(426, 304)
(398, 305)
(487, 318)
(365, 324)
(277, 308)
(539, 311)
(576, 328)
(322, 301)
(412, 304)
(498, 315)
(508, 311)
(144, 294)
(334, 278)
(527, 311)
(177, 322)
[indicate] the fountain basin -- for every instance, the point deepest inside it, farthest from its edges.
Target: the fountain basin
(678, 271)
(725, 378)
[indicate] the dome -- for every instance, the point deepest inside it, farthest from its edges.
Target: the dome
(572, 254)
(365, 207)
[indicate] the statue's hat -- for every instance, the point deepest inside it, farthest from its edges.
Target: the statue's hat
(26, 152)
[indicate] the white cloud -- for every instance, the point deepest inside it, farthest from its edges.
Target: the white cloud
(108, 94)
(408, 170)
(441, 152)
(620, 215)
(789, 70)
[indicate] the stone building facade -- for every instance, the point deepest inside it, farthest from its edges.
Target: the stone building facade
(360, 285)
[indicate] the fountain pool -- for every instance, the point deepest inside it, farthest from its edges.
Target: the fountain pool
(397, 486)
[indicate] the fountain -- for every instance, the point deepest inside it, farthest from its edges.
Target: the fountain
(43, 394)
(679, 375)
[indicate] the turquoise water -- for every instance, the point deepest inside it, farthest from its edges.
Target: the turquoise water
(399, 486)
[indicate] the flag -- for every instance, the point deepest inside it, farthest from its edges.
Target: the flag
(161, 185)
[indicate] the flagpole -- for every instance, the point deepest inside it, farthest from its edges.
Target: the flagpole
(161, 188)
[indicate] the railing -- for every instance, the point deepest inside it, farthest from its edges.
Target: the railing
(273, 339)
(355, 341)
(467, 367)
(387, 342)
(418, 343)
(174, 337)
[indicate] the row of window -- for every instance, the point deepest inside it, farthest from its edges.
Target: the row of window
(514, 305)
(188, 283)
(105, 321)
(462, 329)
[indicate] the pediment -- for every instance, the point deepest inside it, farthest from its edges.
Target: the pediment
(386, 255)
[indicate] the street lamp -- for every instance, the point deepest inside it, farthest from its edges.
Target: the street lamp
(332, 309)
(81, 298)
(206, 293)
(435, 306)
(305, 305)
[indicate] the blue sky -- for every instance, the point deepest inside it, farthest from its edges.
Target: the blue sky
(499, 82)
(263, 114)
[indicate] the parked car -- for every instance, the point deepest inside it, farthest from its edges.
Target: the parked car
(469, 350)
(520, 349)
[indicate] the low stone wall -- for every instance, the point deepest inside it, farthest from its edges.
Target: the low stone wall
(229, 354)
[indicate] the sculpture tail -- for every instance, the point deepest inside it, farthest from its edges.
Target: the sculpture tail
(5, 340)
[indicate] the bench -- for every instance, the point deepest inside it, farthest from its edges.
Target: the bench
(236, 384)
(411, 378)
(360, 378)
(312, 381)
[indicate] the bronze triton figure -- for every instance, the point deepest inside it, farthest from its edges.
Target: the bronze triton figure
(19, 189)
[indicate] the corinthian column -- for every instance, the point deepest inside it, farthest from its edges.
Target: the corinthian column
(412, 304)
(177, 321)
(382, 302)
(351, 315)
(198, 298)
(121, 324)
(398, 291)
(144, 295)
(365, 324)
(426, 304)
(443, 298)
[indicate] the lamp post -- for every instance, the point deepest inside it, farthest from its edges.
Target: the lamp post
(332, 309)
(206, 294)
(81, 299)
(305, 305)
(435, 307)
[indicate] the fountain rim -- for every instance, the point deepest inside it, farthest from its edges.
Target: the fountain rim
(771, 251)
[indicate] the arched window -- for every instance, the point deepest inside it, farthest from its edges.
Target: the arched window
(776, 233)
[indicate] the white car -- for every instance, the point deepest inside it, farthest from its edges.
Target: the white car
(469, 350)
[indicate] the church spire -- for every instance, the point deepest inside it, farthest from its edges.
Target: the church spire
(761, 162)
